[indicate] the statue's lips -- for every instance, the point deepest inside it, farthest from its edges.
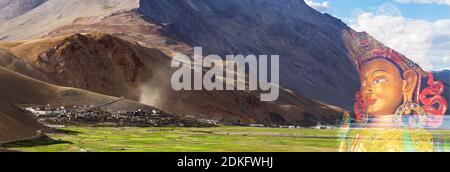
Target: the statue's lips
(371, 101)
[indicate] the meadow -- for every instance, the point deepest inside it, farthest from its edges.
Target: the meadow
(168, 139)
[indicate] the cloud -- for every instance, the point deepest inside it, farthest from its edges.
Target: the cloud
(319, 6)
(388, 9)
(441, 2)
(426, 43)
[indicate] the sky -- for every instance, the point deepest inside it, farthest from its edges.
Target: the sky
(419, 29)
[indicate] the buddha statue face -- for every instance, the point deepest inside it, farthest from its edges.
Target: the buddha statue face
(382, 86)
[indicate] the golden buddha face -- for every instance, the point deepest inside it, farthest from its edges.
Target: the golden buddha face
(381, 87)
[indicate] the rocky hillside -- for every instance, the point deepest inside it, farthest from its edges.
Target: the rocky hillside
(13, 8)
(314, 58)
(106, 64)
(16, 89)
(123, 48)
(96, 62)
(56, 13)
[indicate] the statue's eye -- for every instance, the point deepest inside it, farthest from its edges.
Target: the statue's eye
(379, 81)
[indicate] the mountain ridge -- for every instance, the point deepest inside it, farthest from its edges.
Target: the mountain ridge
(314, 59)
(106, 45)
(13, 8)
(82, 52)
(57, 13)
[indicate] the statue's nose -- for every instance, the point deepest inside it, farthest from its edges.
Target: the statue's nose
(368, 91)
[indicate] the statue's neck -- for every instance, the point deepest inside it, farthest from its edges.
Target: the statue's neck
(381, 121)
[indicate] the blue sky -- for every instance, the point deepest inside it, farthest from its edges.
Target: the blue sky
(429, 12)
(419, 29)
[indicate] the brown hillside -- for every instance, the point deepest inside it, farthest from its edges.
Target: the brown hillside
(108, 65)
(16, 89)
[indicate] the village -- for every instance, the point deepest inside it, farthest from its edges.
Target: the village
(318, 126)
(60, 116)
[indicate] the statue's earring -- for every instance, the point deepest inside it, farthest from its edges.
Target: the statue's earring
(418, 120)
(410, 114)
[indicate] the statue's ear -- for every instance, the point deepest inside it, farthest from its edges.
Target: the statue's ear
(410, 81)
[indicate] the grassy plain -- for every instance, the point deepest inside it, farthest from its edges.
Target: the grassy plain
(216, 139)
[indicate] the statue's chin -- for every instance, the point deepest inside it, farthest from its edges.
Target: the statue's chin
(373, 111)
(378, 113)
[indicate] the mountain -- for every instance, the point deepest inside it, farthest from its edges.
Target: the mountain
(15, 88)
(314, 59)
(10, 61)
(124, 48)
(56, 13)
(97, 62)
(12, 8)
(106, 64)
(19, 89)
(126, 25)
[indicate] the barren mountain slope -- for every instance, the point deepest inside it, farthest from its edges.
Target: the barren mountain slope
(13, 8)
(56, 13)
(16, 89)
(314, 61)
(105, 64)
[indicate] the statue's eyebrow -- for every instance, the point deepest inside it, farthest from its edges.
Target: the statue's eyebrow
(380, 70)
(367, 75)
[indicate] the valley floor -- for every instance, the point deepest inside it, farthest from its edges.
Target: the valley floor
(216, 139)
